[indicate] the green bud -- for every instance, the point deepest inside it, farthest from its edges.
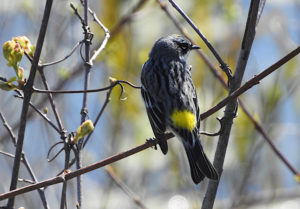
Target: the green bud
(45, 110)
(85, 128)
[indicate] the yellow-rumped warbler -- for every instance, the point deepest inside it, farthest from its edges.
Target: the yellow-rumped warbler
(171, 101)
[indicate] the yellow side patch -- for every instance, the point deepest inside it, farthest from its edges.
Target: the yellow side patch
(184, 119)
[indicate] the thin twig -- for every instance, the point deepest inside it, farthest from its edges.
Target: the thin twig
(134, 197)
(104, 42)
(210, 65)
(77, 13)
(62, 59)
(118, 82)
(260, 10)
(223, 65)
(53, 106)
(107, 100)
(44, 116)
(9, 129)
(127, 18)
(27, 97)
(273, 147)
(26, 181)
(7, 154)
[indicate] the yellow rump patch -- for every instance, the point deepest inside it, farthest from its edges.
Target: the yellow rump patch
(184, 119)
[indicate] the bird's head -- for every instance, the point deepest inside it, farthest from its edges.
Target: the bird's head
(173, 46)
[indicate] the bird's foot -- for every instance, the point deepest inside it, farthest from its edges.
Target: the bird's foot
(152, 141)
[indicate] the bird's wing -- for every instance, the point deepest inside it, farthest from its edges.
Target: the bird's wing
(155, 113)
(156, 117)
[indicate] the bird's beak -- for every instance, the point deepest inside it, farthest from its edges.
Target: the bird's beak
(195, 47)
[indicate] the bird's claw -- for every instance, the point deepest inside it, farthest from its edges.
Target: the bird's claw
(152, 141)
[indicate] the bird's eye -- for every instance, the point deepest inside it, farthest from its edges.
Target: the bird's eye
(184, 46)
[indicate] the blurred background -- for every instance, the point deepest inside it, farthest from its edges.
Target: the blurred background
(253, 175)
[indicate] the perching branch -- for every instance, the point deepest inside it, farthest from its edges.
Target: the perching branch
(68, 176)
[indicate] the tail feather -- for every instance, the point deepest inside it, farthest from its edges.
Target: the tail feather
(199, 163)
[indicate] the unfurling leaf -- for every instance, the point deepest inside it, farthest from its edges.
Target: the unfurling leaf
(85, 128)
(13, 52)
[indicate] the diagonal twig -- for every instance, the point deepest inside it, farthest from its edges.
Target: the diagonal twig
(104, 42)
(124, 187)
(62, 59)
(223, 65)
(41, 114)
(24, 160)
(252, 82)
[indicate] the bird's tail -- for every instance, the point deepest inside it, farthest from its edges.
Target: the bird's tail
(199, 163)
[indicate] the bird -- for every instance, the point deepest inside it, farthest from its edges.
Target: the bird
(171, 101)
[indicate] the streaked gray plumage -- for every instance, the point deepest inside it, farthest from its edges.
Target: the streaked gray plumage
(167, 86)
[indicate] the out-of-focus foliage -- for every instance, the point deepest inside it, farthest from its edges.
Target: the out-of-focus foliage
(156, 178)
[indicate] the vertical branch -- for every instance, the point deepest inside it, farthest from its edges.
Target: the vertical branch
(231, 108)
(87, 62)
(27, 97)
(84, 110)
(63, 200)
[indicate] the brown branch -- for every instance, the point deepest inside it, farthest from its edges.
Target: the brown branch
(126, 18)
(62, 178)
(273, 147)
(252, 82)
